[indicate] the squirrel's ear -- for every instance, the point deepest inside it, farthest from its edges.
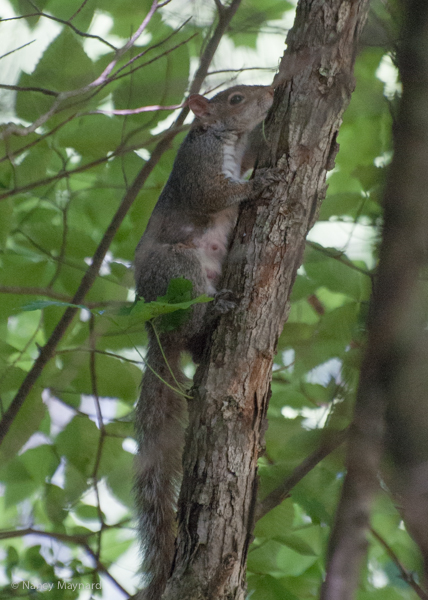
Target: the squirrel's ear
(198, 105)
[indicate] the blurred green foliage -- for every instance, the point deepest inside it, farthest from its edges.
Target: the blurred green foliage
(60, 186)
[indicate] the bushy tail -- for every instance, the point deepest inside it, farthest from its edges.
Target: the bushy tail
(160, 433)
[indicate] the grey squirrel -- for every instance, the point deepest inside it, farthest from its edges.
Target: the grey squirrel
(187, 236)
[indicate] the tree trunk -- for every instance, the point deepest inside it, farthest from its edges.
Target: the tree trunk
(227, 416)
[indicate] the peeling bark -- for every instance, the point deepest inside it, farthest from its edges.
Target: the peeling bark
(227, 416)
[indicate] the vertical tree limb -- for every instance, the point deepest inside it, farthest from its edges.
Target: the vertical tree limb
(232, 387)
(393, 377)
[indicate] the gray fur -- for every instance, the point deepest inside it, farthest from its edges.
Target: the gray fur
(187, 236)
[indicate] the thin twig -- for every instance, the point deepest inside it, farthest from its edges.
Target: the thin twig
(19, 88)
(78, 10)
(406, 575)
(16, 50)
(94, 389)
(339, 256)
(33, 291)
(135, 111)
(96, 351)
(63, 22)
(152, 47)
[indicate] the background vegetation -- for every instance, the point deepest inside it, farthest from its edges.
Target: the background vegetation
(78, 141)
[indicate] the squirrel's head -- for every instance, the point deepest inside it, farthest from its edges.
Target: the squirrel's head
(239, 108)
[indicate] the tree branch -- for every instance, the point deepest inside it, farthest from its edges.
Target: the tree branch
(333, 440)
(33, 291)
(63, 22)
(406, 575)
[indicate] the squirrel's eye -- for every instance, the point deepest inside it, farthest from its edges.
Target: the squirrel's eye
(236, 99)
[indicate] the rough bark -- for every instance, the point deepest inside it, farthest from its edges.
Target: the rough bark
(227, 416)
(392, 390)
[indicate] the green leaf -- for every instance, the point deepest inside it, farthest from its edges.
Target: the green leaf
(34, 165)
(335, 275)
(6, 220)
(76, 71)
(276, 520)
(311, 504)
(114, 545)
(33, 560)
(18, 481)
(264, 559)
(119, 479)
(115, 379)
(178, 299)
(296, 543)
(87, 512)
(266, 587)
(76, 482)
(78, 442)
(24, 425)
(350, 204)
(92, 136)
(12, 560)
(294, 563)
(55, 503)
(24, 7)
(41, 462)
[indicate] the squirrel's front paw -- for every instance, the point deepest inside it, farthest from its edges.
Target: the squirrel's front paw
(264, 177)
(260, 181)
(223, 302)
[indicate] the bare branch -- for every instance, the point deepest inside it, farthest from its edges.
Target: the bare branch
(103, 569)
(63, 22)
(115, 77)
(242, 70)
(339, 256)
(16, 49)
(135, 111)
(78, 10)
(105, 352)
(33, 291)
(20, 88)
(225, 17)
(406, 575)
(220, 7)
(152, 47)
(11, 156)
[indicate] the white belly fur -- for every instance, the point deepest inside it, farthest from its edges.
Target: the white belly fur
(213, 244)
